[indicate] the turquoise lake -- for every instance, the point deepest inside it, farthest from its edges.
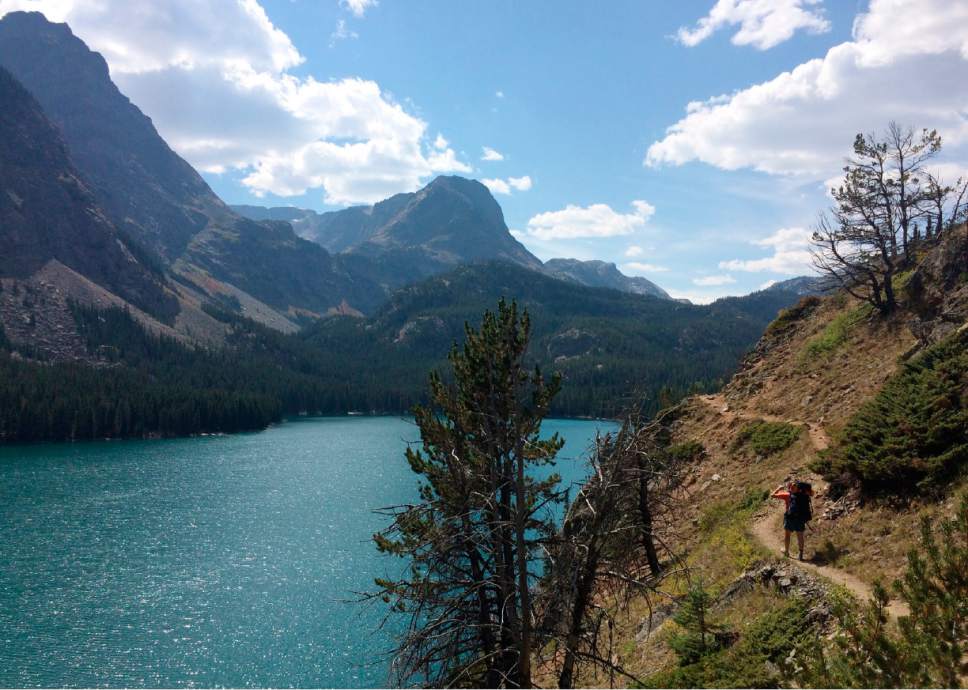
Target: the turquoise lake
(228, 560)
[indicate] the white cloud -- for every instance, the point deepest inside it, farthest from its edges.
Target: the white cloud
(639, 267)
(490, 154)
(634, 250)
(767, 284)
(714, 281)
(214, 77)
(597, 220)
(791, 254)
(762, 23)
(341, 33)
(497, 185)
(522, 184)
(900, 65)
(500, 186)
(440, 143)
(358, 7)
(499, 94)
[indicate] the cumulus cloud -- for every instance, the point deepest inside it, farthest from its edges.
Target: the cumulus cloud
(714, 281)
(762, 23)
(899, 65)
(639, 267)
(496, 185)
(489, 154)
(791, 254)
(634, 250)
(522, 184)
(501, 186)
(597, 220)
(214, 77)
(358, 7)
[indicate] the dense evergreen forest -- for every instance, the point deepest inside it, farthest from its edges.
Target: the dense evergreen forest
(612, 349)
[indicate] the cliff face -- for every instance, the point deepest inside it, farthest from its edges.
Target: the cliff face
(47, 213)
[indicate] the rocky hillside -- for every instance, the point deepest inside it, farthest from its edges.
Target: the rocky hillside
(872, 412)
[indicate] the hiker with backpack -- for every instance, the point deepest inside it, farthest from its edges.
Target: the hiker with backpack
(798, 512)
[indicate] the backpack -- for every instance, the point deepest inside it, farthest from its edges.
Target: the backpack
(800, 507)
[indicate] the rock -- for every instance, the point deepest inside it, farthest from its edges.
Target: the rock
(716, 478)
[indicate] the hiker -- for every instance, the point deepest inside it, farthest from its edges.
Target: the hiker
(796, 496)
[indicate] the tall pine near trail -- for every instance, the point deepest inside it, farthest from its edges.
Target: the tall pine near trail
(472, 540)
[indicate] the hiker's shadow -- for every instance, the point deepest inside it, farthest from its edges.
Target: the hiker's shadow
(828, 554)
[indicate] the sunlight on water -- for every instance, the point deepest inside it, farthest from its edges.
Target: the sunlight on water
(208, 561)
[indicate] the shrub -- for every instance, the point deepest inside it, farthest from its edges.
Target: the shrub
(766, 438)
(769, 638)
(687, 451)
(914, 433)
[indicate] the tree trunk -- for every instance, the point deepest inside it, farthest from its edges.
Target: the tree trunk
(582, 597)
(524, 594)
(645, 517)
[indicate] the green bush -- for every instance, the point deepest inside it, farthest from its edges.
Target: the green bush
(769, 638)
(914, 433)
(686, 451)
(767, 438)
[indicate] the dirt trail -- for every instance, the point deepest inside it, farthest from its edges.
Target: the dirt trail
(768, 528)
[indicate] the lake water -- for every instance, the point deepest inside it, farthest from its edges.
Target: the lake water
(207, 561)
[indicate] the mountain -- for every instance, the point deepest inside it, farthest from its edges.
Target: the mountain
(156, 198)
(601, 274)
(451, 221)
(49, 217)
(805, 285)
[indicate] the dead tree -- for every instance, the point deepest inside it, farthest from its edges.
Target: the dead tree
(863, 240)
(605, 555)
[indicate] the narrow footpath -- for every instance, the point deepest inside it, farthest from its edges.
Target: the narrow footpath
(767, 528)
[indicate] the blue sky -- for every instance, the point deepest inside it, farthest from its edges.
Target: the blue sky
(327, 103)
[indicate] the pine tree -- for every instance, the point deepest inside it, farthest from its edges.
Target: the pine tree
(700, 636)
(472, 541)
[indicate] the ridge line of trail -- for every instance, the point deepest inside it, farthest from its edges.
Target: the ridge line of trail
(767, 529)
